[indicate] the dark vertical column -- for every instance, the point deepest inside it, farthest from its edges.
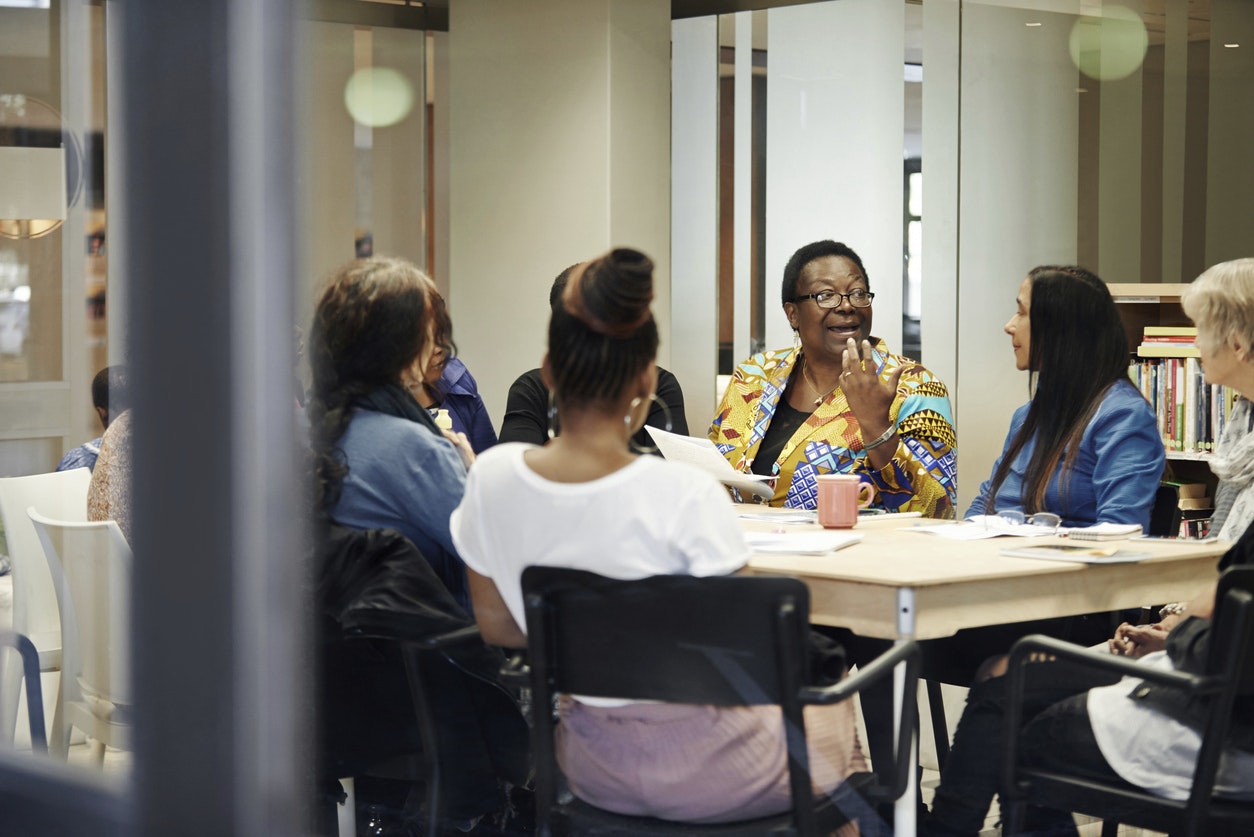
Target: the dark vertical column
(209, 229)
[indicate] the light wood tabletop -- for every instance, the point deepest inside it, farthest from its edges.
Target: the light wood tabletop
(898, 583)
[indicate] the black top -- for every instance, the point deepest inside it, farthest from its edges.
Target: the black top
(527, 410)
(783, 425)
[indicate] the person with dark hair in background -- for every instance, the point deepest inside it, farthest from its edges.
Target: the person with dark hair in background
(530, 415)
(110, 395)
(838, 401)
(380, 461)
(563, 503)
(448, 385)
(1086, 448)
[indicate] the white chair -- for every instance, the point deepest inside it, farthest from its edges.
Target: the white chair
(95, 604)
(61, 495)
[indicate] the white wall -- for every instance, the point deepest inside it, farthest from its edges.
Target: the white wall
(1017, 179)
(560, 149)
(694, 216)
(835, 128)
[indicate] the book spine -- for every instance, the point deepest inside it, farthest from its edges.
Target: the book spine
(1179, 399)
(1190, 384)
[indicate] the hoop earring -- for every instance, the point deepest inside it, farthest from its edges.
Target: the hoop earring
(552, 414)
(666, 411)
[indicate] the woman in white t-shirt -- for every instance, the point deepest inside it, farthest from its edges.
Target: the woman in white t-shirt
(586, 501)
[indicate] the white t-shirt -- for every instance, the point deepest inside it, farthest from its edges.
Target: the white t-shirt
(652, 517)
(1161, 760)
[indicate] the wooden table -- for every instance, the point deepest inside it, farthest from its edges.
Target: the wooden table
(898, 584)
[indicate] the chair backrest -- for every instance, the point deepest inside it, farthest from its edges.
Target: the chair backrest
(96, 561)
(727, 641)
(1232, 640)
(1234, 622)
(61, 495)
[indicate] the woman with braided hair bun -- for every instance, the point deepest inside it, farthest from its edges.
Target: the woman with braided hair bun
(561, 504)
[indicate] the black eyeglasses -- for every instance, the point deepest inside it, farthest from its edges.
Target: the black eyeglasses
(830, 299)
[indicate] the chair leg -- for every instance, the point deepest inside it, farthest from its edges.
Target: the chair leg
(59, 737)
(97, 751)
(940, 727)
(1013, 813)
(347, 812)
(1110, 828)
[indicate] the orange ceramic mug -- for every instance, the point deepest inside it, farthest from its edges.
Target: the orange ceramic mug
(840, 497)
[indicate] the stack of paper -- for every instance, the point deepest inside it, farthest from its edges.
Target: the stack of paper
(1104, 532)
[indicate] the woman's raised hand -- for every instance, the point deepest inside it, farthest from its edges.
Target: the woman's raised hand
(869, 397)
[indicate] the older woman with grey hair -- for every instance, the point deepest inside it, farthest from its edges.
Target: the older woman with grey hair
(1221, 303)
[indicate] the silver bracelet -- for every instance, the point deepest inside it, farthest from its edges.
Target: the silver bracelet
(881, 439)
(1175, 608)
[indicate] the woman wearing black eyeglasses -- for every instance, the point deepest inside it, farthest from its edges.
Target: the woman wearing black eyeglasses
(838, 401)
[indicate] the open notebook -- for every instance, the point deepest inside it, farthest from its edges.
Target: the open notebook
(701, 452)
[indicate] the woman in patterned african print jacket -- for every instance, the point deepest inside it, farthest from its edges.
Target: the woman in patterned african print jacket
(839, 402)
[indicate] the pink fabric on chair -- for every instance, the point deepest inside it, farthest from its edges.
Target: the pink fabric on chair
(698, 763)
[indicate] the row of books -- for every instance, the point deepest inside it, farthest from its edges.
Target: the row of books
(1191, 413)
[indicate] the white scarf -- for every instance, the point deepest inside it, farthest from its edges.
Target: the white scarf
(1233, 463)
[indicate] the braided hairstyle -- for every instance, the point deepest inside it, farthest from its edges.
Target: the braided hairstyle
(602, 334)
(371, 322)
(1077, 351)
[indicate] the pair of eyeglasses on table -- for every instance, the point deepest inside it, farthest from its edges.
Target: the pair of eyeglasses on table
(1048, 522)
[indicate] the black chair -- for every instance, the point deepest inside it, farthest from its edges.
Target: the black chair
(1229, 675)
(450, 781)
(408, 691)
(727, 641)
(34, 690)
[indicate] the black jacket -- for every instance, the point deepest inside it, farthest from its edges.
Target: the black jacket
(375, 583)
(1189, 647)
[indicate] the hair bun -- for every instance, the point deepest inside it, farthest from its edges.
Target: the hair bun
(612, 294)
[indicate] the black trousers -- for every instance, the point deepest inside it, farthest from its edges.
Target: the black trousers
(954, 660)
(1058, 734)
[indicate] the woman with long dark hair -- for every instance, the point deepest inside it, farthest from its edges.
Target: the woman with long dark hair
(1127, 730)
(1086, 447)
(380, 461)
(586, 501)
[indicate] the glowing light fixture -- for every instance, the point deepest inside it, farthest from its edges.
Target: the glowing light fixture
(378, 97)
(1109, 46)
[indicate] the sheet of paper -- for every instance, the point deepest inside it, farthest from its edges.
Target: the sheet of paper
(983, 526)
(781, 516)
(1077, 554)
(802, 543)
(702, 453)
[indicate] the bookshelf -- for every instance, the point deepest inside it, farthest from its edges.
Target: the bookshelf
(1144, 304)
(1158, 304)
